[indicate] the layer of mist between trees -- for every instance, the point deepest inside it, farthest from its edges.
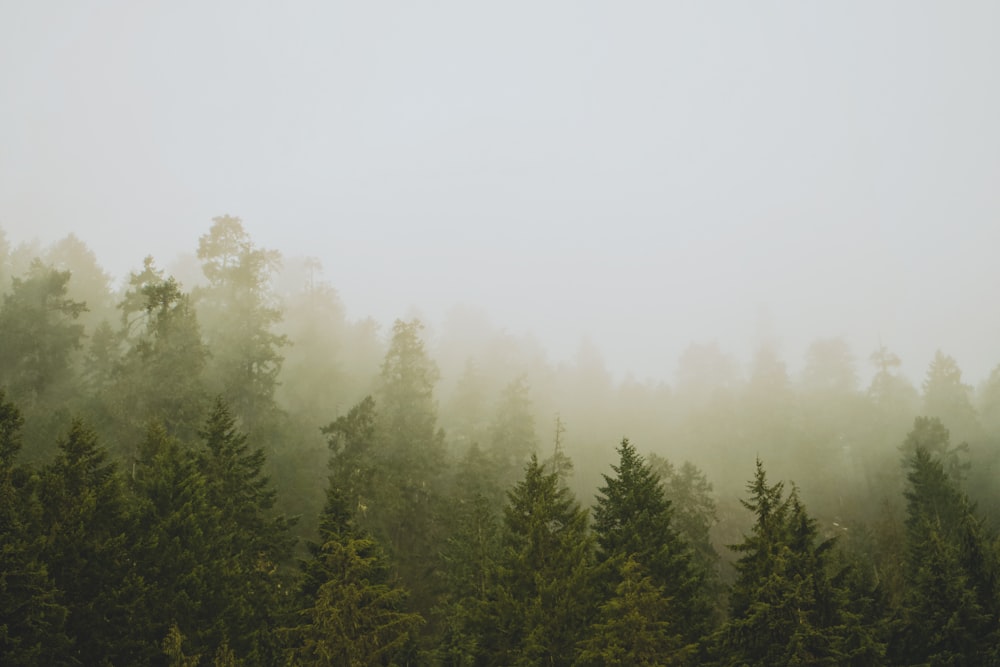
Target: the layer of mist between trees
(224, 463)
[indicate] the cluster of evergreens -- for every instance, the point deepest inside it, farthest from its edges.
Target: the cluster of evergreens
(236, 475)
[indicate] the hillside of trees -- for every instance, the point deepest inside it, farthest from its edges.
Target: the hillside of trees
(223, 469)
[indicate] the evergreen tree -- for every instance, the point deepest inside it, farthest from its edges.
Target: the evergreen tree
(633, 519)
(90, 284)
(512, 433)
(183, 552)
(950, 608)
(354, 620)
(693, 510)
(408, 497)
(542, 590)
(163, 341)
(258, 543)
(87, 549)
(469, 556)
(32, 620)
(948, 398)
(930, 434)
(40, 332)
(633, 627)
(240, 314)
(786, 607)
(352, 613)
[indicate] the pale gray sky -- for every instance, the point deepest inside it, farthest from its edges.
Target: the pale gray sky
(644, 173)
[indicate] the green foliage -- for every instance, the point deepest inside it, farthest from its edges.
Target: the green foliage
(350, 611)
(32, 620)
(87, 544)
(951, 609)
(948, 398)
(353, 454)
(541, 596)
(787, 608)
(693, 509)
(353, 620)
(40, 334)
(633, 519)
(173, 648)
(406, 392)
(469, 556)
(240, 314)
(408, 494)
(163, 340)
(256, 543)
(183, 552)
(512, 432)
(633, 626)
(930, 434)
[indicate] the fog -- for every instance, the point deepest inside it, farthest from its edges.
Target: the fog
(639, 177)
(337, 311)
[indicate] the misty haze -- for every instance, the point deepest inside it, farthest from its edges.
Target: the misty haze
(558, 333)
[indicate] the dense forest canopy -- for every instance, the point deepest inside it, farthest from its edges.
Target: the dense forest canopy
(225, 469)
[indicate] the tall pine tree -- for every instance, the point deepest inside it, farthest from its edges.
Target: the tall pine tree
(541, 596)
(634, 520)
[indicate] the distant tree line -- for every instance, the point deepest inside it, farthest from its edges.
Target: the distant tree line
(237, 475)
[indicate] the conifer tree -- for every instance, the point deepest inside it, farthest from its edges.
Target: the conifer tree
(87, 549)
(512, 432)
(948, 398)
(408, 506)
(542, 590)
(258, 544)
(38, 324)
(950, 608)
(633, 626)
(786, 606)
(183, 551)
(166, 343)
(32, 620)
(633, 519)
(352, 613)
(469, 556)
(240, 314)
(353, 620)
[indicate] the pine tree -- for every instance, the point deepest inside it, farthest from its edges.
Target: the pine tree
(32, 620)
(786, 607)
(351, 613)
(258, 543)
(183, 551)
(39, 327)
(87, 549)
(354, 620)
(469, 556)
(165, 342)
(240, 314)
(948, 398)
(633, 626)
(512, 432)
(930, 434)
(950, 608)
(408, 507)
(354, 459)
(542, 589)
(633, 519)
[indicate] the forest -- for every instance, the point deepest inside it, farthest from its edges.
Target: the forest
(214, 465)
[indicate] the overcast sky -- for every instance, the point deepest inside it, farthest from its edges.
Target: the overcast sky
(642, 173)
